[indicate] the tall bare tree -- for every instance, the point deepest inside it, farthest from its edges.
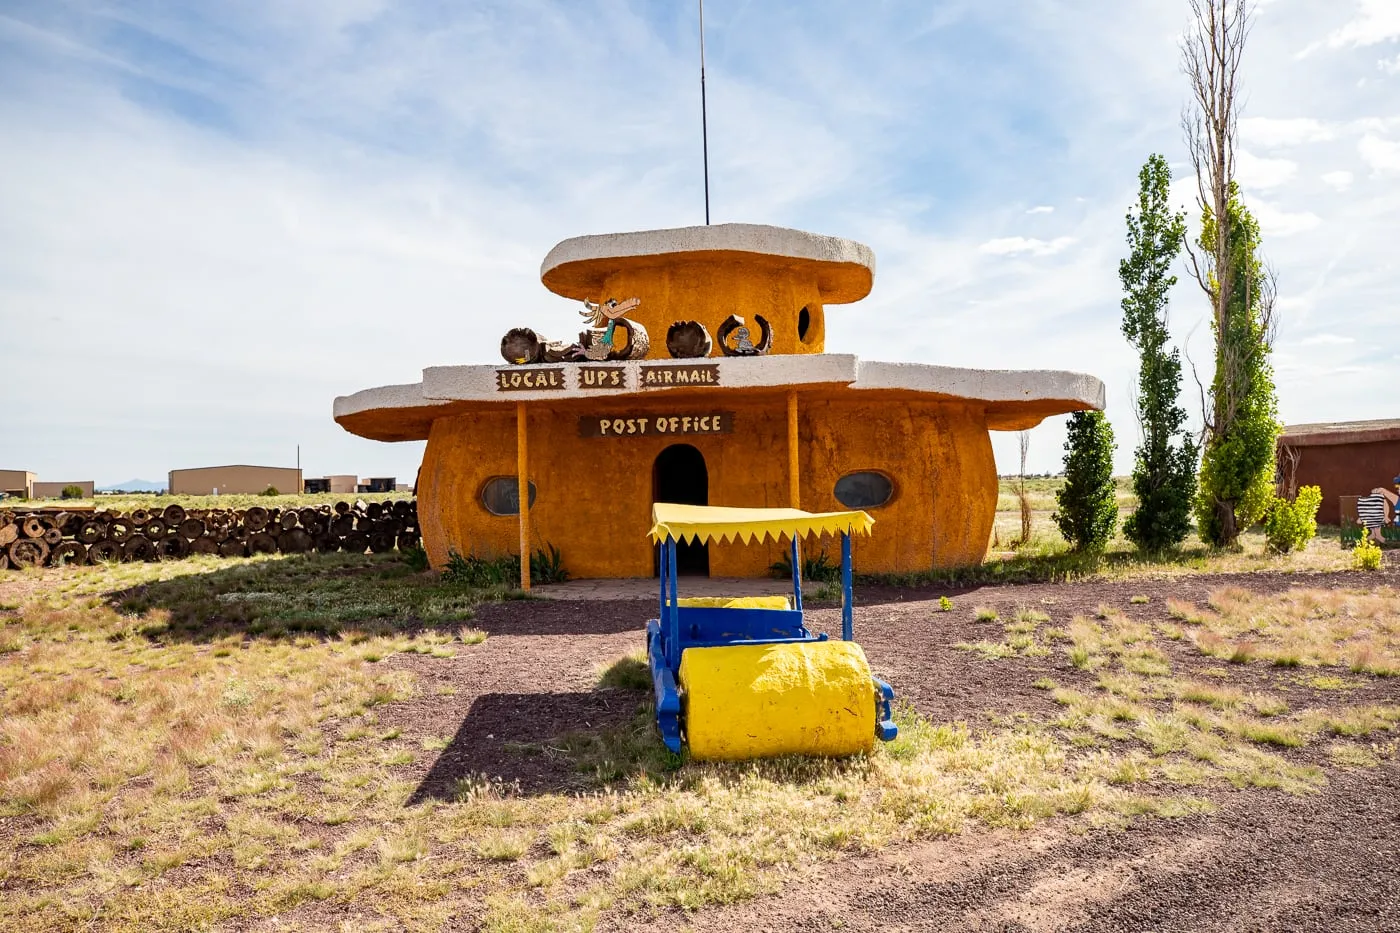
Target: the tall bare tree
(1240, 427)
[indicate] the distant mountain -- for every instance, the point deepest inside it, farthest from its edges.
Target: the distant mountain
(133, 485)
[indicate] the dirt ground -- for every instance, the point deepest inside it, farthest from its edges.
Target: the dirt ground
(1262, 861)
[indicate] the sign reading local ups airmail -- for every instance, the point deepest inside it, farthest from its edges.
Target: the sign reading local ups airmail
(692, 374)
(637, 424)
(512, 379)
(602, 377)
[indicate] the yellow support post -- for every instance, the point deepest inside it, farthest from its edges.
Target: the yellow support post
(522, 486)
(794, 475)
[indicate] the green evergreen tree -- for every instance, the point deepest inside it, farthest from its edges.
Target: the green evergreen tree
(1237, 470)
(1164, 470)
(1088, 504)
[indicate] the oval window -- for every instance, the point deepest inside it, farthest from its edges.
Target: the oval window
(804, 324)
(864, 490)
(501, 495)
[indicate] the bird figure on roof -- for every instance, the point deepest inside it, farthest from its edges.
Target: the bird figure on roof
(598, 314)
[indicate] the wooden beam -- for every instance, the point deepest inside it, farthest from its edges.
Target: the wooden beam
(522, 485)
(794, 473)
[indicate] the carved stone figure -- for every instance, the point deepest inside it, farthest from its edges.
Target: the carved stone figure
(743, 344)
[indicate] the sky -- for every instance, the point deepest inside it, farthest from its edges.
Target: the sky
(216, 217)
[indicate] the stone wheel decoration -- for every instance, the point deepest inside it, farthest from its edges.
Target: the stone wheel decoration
(742, 343)
(522, 346)
(688, 340)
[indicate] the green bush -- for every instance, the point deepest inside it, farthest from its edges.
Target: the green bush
(817, 568)
(480, 572)
(1366, 555)
(1088, 502)
(271, 491)
(1291, 525)
(415, 557)
(547, 566)
(71, 492)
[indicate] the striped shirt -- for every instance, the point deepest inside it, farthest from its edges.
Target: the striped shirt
(1370, 511)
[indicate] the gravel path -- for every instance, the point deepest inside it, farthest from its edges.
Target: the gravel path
(1262, 862)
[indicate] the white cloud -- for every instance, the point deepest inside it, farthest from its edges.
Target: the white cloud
(1269, 131)
(1378, 21)
(1339, 180)
(1254, 172)
(1015, 245)
(1318, 340)
(1276, 222)
(1382, 155)
(1390, 66)
(1041, 209)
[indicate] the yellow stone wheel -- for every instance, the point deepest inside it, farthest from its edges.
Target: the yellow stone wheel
(762, 701)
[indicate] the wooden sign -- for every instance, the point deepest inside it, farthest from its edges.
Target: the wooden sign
(694, 374)
(602, 377)
(634, 424)
(510, 379)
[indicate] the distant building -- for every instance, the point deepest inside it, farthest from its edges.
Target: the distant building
(48, 490)
(377, 484)
(18, 483)
(233, 480)
(340, 483)
(1346, 458)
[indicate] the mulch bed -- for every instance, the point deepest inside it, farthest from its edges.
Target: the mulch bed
(501, 703)
(1264, 861)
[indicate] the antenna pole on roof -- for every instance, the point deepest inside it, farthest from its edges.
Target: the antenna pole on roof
(704, 129)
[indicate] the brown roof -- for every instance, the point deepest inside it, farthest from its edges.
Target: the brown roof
(1341, 432)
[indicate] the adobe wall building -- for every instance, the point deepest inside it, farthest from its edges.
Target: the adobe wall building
(233, 480)
(1345, 458)
(54, 490)
(17, 483)
(704, 378)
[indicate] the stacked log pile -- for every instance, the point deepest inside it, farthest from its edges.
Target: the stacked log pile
(47, 538)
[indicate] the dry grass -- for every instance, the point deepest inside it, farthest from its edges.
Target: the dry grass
(158, 771)
(1355, 629)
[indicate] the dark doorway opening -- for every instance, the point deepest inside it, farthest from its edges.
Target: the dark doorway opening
(679, 475)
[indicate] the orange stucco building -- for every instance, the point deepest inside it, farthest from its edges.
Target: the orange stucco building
(767, 418)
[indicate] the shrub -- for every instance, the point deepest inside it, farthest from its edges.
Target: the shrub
(471, 570)
(817, 568)
(71, 492)
(547, 566)
(1366, 555)
(415, 557)
(271, 491)
(1291, 525)
(1088, 502)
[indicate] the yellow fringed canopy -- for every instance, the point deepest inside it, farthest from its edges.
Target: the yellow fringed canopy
(705, 523)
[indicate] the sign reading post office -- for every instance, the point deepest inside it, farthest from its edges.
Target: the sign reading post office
(648, 424)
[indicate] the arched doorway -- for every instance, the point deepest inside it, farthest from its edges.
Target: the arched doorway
(679, 475)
